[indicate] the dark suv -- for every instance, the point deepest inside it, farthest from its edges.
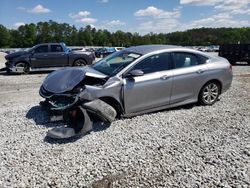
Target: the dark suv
(47, 56)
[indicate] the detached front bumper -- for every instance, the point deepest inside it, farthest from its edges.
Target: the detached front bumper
(75, 111)
(98, 108)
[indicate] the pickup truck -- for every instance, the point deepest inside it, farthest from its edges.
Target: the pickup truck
(47, 56)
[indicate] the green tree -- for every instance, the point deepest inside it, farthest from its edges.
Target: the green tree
(4, 37)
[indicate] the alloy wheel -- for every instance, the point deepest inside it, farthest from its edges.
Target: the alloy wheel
(210, 93)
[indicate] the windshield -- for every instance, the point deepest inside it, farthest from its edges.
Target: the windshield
(31, 49)
(115, 62)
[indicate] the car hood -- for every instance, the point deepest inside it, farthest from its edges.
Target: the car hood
(15, 54)
(66, 79)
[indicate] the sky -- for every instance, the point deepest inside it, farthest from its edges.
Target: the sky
(142, 16)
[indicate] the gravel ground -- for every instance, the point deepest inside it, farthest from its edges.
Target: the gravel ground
(190, 146)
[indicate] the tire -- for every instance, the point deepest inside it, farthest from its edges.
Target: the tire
(209, 93)
(79, 124)
(79, 63)
(101, 109)
(26, 67)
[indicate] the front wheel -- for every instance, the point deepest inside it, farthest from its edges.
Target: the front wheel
(24, 66)
(209, 93)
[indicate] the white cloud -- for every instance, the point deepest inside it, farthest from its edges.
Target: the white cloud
(21, 8)
(18, 24)
(103, 1)
(87, 20)
(157, 13)
(80, 14)
(241, 11)
(39, 9)
(82, 17)
(230, 6)
(115, 23)
(216, 21)
(200, 2)
(159, 26)
(157, 20)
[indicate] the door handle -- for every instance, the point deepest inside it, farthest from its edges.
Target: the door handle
(200, 71)
(45, 55)
(165, 77)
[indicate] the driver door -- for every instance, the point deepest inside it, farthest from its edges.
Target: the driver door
(151, 90)
(39, 58)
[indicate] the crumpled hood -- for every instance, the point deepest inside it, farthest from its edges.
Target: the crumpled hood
(66, 79)
(15, 54)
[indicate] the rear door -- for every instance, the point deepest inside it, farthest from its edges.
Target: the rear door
(189, 74)
(57, 57)
(151, 90)
(39, 58)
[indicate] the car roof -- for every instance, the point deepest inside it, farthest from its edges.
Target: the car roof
(145, 49)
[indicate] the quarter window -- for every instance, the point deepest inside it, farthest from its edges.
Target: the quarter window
(42, 49)
(155, 63)
(182, 59)
(56, 48)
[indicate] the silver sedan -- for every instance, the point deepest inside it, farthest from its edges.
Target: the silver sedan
(139, 80)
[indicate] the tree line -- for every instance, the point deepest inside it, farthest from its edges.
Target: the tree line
(31, 34)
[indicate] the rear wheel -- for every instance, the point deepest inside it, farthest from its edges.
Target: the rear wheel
(25, 67)
(79, 63)
(209, 93)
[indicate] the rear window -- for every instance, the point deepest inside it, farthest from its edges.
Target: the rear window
(184, 59)
(56, 48)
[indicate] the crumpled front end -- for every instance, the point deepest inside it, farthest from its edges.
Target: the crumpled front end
(65, 98)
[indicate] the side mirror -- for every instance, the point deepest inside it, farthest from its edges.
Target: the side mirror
(134, 73)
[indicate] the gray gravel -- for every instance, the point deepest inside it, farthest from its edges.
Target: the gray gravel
(190, 146)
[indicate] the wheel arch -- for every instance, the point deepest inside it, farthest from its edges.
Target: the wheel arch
(114, 103)
(79, 58)
(23, 61)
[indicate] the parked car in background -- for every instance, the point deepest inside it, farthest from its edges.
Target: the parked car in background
(235, 52)
(137, 80)
(47, 56)
(103, 52)
(119, 48)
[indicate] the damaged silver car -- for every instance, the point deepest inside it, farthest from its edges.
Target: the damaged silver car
(133, 81)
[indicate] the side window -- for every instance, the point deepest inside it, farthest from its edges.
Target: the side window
(155, 63)
(202, 59)
(42, 49)
(183, 59)
(56, 48)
